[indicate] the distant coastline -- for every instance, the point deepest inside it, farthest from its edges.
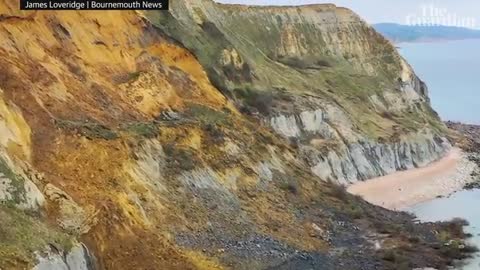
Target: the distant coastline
(398, 33)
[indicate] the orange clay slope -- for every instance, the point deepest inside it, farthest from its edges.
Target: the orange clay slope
(87, 87)
(69, 70)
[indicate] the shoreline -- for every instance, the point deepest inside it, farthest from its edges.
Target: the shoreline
(401, 190)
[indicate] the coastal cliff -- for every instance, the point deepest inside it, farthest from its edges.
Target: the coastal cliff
(334, 158)
(320, 75)
(208, 137)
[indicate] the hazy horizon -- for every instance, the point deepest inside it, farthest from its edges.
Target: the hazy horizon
(464, 13)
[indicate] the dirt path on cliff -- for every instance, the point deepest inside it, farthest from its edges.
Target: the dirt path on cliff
(404, 189)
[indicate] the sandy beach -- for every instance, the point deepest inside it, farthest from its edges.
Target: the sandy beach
(404, 189)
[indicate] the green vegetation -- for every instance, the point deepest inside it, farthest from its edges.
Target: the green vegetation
(141, 129)
(397, 258)
(21, 235)
(179, 159)
(206, 115)
(347, 80)
(127, 77)
(289, 185)
(215, 134)
(339, 191)
(355, 211)
(311, 62)
(349, 204)
(16, 182)
(91, 130)
(261, 101)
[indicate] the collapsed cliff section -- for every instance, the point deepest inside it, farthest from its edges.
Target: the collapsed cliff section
(320, 76)
(120, 153)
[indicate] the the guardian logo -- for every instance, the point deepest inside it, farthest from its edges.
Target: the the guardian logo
(430, 15)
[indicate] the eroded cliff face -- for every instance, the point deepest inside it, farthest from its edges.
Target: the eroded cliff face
(319, 75)
(159, 140)
(336, 152)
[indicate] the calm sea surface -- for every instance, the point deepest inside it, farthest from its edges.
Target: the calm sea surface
(464, 204)
(451, 70)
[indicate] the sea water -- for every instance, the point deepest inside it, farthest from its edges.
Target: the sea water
(451, 71)
(465, 205)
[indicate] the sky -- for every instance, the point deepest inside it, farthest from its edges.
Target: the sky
(446, 12)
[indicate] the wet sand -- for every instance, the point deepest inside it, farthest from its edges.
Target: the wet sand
(402, 190)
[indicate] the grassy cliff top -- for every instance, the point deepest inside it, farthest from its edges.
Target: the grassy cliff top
(316, 50)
